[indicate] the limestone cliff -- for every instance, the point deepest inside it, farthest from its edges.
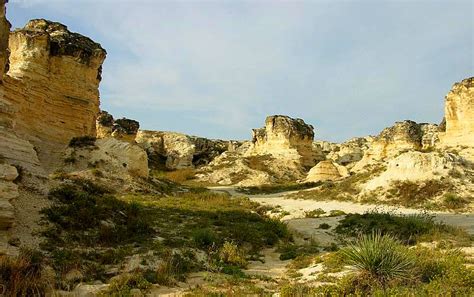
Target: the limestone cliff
(286, 138)
(401, 137)
(52, 86)
(173, 150)
(459, 115)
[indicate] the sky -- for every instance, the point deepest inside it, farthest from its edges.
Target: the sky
(218, 68)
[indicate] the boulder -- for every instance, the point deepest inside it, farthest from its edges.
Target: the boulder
(326, 170)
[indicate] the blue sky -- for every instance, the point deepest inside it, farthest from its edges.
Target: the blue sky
(218, 68)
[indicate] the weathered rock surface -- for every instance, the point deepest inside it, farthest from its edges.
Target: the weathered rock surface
(415, 166)
(173, 150)
(401, 137)
(326, 170)
(459, 115)
(110, 155)
(8, 191)
(52, 86)
(285, 138)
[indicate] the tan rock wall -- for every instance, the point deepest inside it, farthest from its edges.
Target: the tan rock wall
(459, 115)
(285, 138)
(52, 86)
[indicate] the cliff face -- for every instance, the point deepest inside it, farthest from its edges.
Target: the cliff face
(459, 114)
(173, 150)
(52, 85)
(285, 137)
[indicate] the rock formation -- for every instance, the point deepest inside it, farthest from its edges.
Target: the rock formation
(173, 150)
(52, 86)
(401, 137)
(285, 138)
(459, 115)
(122, 129)
(326, 170)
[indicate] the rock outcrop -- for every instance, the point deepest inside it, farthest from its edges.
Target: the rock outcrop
(326, 170)
(109, 155)
(52, 86)
(171, 150)
(285, 138)
(401, 137)
(122, 129)
(459, 115)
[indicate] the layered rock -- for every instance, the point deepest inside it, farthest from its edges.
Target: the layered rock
(401, 137)
(326, 171)
(173, 150)
(286, 139)
(459, 115)
(52, 86)
(8, 191)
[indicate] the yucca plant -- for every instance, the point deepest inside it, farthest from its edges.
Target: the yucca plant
(380, 257)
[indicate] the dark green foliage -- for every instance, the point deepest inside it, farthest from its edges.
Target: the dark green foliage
(204, 238)
(406, 228)
(82, 141)
(84, 213)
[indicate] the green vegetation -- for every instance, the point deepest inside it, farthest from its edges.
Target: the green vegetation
(453, 201)
(277, 188)
(315, 213)
(385, 267)
(82, 141)
(90, 229)
(380, 258)
(124, 283)
(407, 228)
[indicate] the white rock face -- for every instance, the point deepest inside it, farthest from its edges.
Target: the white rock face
(286, 139)
(415, 166)
(459, 115)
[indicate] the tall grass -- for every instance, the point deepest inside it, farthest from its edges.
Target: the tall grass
(380, 257)
(24, 275)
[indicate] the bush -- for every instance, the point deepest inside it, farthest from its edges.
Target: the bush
(24, 275)
(336, 213)
(410, 194)
(315, 213)
(204, 238)
(174, 267)
(407, 228)
(453, 201)
(82, 141)
(324, 226)
(230, 253)
(122, 284)
(379, 257)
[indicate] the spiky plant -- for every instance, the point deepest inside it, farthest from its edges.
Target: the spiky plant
(380, 257)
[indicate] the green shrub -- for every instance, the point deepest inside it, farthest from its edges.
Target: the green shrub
(410, 194)
(407, 228)
(82, 141)
(121, 285)
(380, 257)
(453, 201)
(204, 238)
(336, 213)
(315, 213)
(324, 226)
(231, 254)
